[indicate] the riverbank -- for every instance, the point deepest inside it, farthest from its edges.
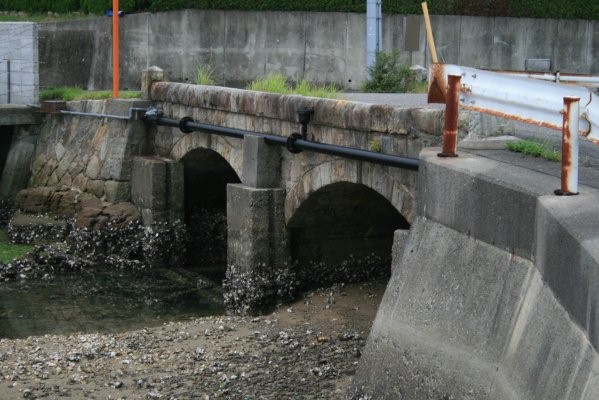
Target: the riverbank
(305, 350)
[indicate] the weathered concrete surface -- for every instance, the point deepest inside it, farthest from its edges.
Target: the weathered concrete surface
(463, 319)
(19, 115)
(494, 295)
(330, 47)
(567, 250)
(19, 83)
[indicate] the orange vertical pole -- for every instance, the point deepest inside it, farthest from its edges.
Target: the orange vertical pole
(115, 49)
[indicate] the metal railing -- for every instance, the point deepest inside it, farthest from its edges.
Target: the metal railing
(573, 110)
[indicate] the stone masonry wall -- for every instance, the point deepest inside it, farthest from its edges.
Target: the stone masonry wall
(94, 155)
(391, 130)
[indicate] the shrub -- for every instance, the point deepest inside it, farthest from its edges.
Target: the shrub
(387, 75)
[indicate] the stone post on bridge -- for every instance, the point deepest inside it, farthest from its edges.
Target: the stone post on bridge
(258, 251)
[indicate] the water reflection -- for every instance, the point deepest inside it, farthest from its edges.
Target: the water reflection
(104, 301)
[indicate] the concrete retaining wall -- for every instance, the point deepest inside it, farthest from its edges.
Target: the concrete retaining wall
(19, 66)
(326, 47)
(495, 293)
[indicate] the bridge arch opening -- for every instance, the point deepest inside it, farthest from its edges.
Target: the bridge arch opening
(206, 175)
(6, 136)
(343, 232)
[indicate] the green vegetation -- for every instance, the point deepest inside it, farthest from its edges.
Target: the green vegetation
(9, 252)
(68, 93)
(376, 146)
(561, 9)
(205, 75)
(388, 75)
(277, 83)
(537, 149)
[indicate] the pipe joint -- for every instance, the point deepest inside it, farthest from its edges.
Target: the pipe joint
(291, 143)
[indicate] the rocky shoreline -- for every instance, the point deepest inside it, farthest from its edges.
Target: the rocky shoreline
(306, 350)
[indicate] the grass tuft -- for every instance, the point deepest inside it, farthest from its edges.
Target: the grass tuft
(69, 93)
(277, 83)
(205, 75)
(537, 149)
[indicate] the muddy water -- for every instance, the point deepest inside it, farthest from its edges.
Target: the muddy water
(104, 301)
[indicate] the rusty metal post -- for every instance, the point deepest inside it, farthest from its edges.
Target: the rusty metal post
(570, 147)
(450, 130)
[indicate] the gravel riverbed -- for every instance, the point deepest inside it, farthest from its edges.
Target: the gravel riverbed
(305, 350)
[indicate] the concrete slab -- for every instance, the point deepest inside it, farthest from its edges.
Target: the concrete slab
(19, 115)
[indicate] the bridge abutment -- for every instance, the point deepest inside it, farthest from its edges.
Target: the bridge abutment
(493, 295)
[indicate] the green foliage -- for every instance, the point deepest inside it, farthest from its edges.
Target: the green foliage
(537, 149)
(388, 75)
(272, 83)
(67, 93)
(205, 75)
(277, 83)
(561, 9)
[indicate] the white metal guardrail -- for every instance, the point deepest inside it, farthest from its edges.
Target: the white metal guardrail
(571, 109)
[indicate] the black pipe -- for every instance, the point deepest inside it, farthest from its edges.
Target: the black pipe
(295, 143)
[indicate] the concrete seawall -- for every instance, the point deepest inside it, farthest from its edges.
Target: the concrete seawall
(494, 294)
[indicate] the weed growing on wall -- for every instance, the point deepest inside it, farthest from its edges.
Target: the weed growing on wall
(205, 75)
(69, 93)
(277, 83)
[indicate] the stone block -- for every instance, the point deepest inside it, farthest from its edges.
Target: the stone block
(95, 187)
(117, 192)
(261, 163)
(148, 183)
(257, 237)
(175, 190)
(157, 186)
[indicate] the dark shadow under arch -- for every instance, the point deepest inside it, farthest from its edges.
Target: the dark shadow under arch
(206, 175)
(346, 230)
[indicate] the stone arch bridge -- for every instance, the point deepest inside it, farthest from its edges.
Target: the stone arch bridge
(282, 208)
(493, 294)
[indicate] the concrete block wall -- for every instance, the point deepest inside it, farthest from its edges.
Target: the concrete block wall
(495, 293)
(19, 63)
(330, 47)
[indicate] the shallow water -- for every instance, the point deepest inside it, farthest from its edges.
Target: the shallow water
(103, 301)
